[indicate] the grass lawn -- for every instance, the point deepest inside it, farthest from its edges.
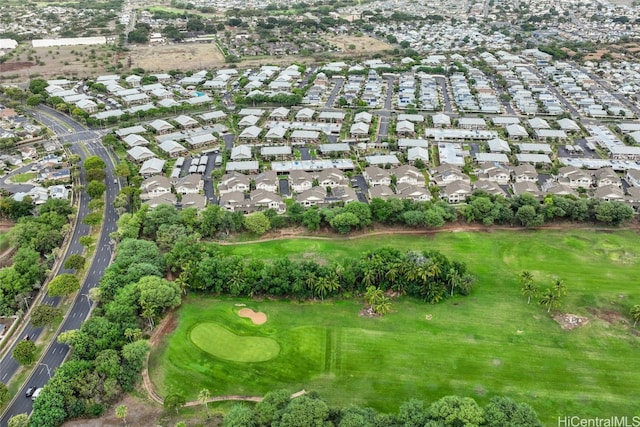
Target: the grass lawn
(4, 241)
(23, 177)
(489, 343)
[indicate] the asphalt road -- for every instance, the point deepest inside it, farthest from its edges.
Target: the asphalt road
(338, 81)
(385, 113)
(86, 142)
(446, 100)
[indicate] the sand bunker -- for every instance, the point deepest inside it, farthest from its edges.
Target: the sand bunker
(258, 318)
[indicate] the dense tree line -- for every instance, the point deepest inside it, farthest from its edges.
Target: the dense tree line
(526, 210)
(108, 351)
(428, 275)
(278, 408)
(36, 238)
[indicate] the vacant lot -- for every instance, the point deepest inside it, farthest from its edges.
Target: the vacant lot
(490, 343)
(176, 57)
(360, 44)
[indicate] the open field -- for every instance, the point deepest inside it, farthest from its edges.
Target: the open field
(490, 343)
(190, 56)
(366, 44)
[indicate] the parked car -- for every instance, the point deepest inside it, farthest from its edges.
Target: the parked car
(30, 391)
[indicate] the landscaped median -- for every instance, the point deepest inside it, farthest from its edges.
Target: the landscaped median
(486, 344)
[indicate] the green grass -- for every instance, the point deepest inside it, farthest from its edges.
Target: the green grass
(489, 343)
(220, 342)
(23, 177)
(4, 241)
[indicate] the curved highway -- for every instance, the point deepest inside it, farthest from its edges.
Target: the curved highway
(85, 143)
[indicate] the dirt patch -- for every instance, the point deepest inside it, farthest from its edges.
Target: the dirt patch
(257, 317)
(140, 413)
(168, 325)
(570, 321)
(368, 312)
(176, 57)
(355, 44)
(15, 66)
(609, 316)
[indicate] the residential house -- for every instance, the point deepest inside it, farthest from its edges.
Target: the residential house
(633, 177)
(312, 197)
(417, 153)
(497, 145)
(516, 131)
(405, 128)
(241, 152)
(609, 193)
(152, 167)
(557, 189)
(193, 200)
(304, 136)
(344, 194)
(135, 140)
(233, 201)
(607, 176)
(164, 199)
(332, 178)
(492, 188)
(407, 174)
(172, 148)
(154, 186)
(234, 182)
(521, 187)
(190, 184)
(363, 117)
(524, 173)
(278, 151)
(456, 192)
(574, 177)
(441, 120)
(275, 134)
(446, 174)
(305, 115)
(185, 122)
(383, 192)
(375, 175)
(493, 172)
(261, 199)
(250, 133)
(300, 181)
(140, 154)
(248, 121)
(267, 181)
(161, 126)
(413, 192)
(359, 130)
(280, 114)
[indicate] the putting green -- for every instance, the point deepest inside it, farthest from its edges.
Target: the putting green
(224, 344)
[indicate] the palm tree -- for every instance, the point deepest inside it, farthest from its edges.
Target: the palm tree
(203, 397)
(635, 314)
(454, 279)
(550, 299)
(466, 283)
(526, 277)
(121, 412)
(529, 290)
(372, 295)
(382, 306)
(326, 284)
(559, 287)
